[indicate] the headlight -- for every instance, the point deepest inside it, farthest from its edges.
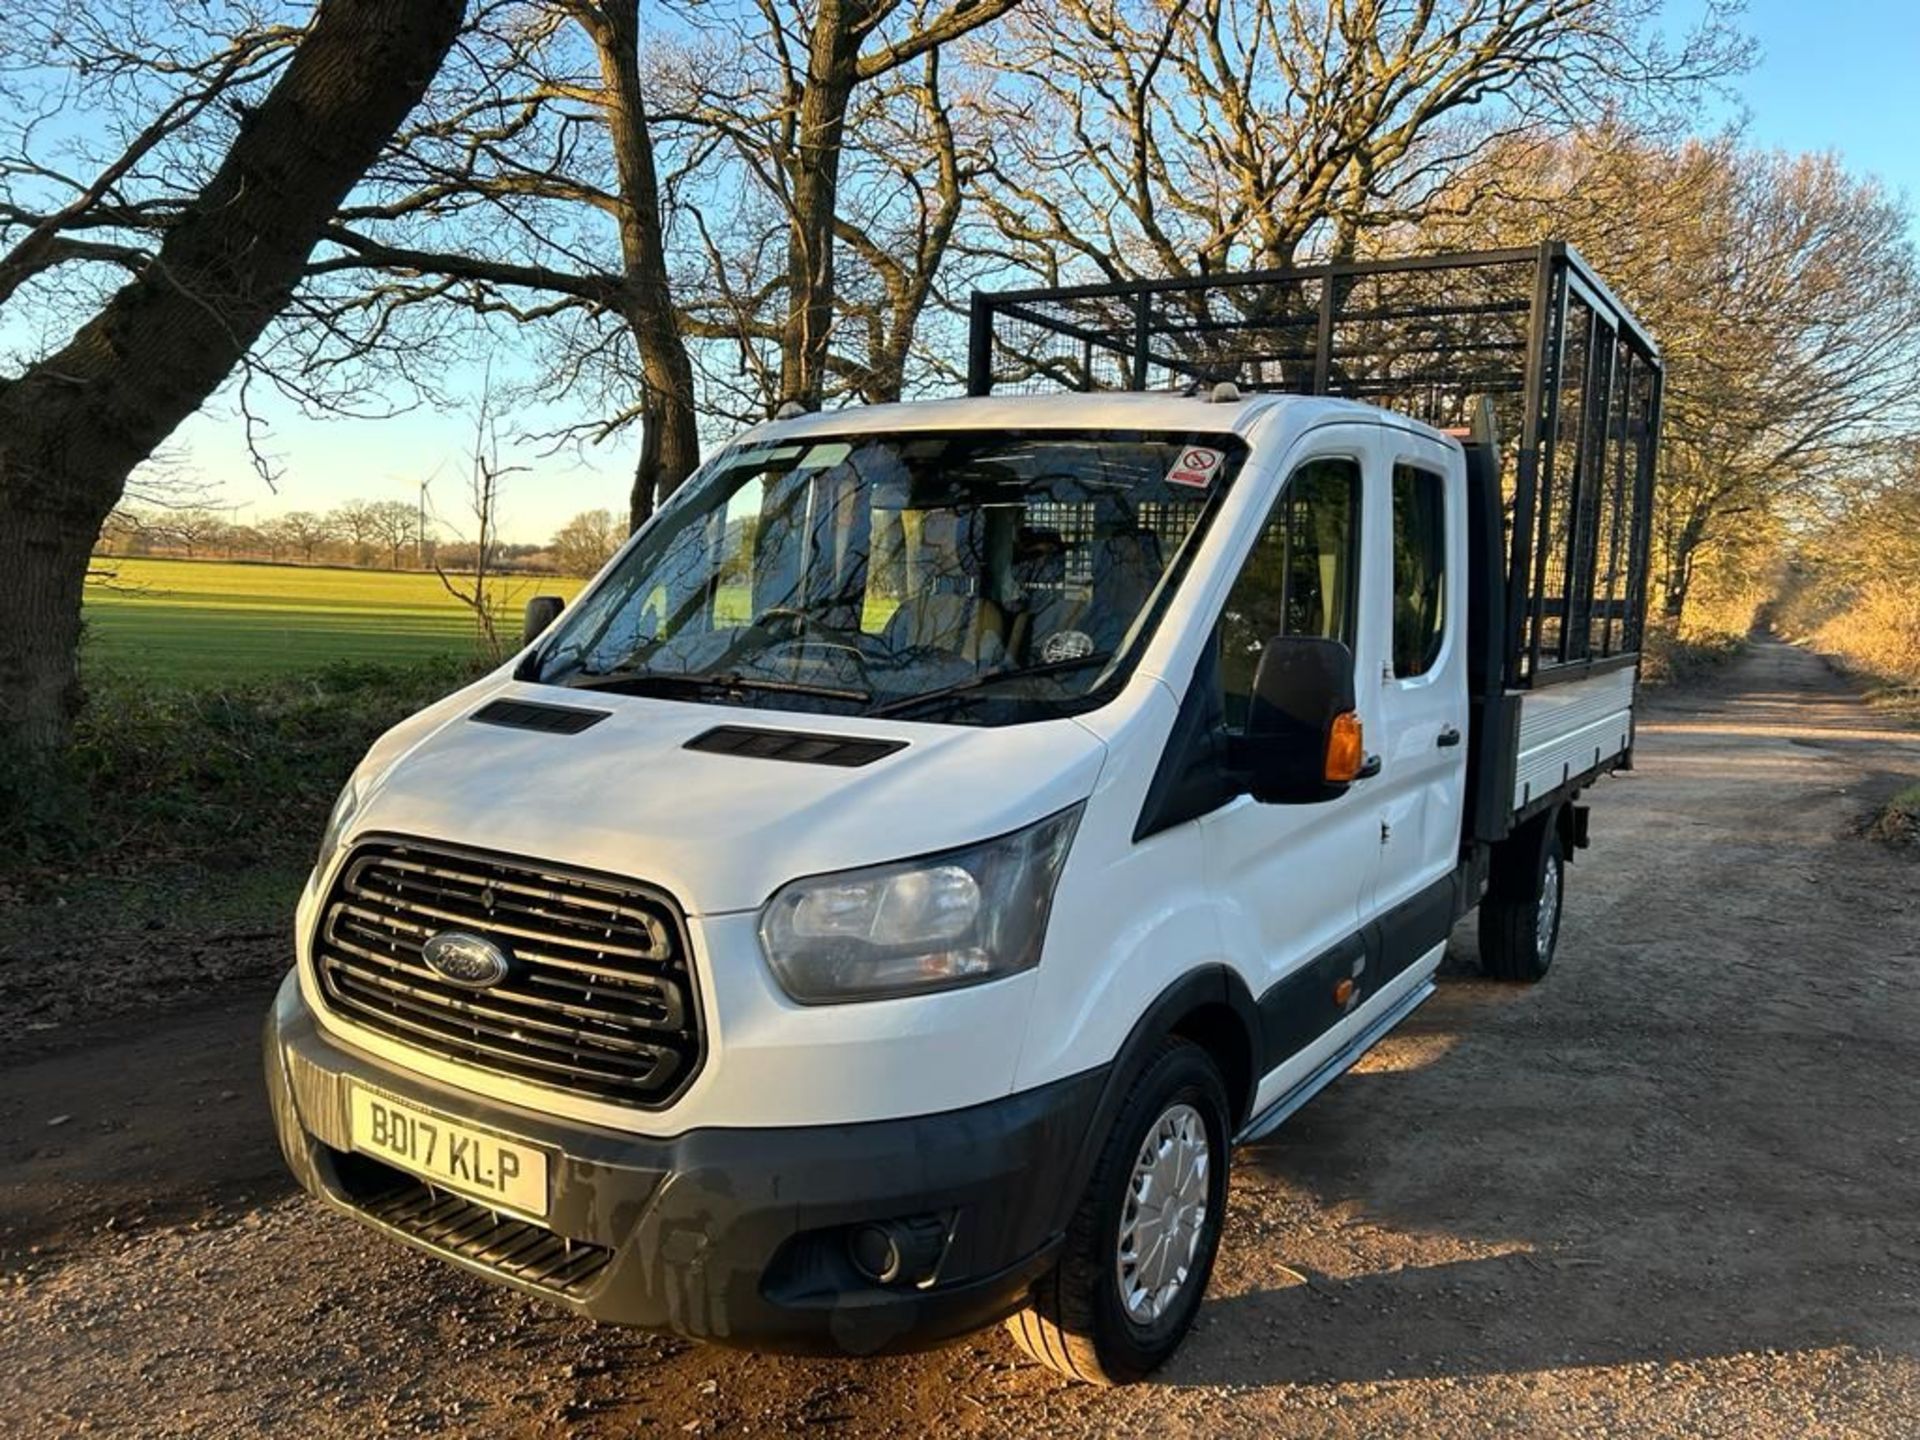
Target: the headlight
(934, 923)
(344, 810)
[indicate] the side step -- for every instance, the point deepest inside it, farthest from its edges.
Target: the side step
(1276, 1114)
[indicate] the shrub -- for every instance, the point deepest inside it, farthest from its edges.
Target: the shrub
(1671, 655)
(1878, 630)
(229, 777)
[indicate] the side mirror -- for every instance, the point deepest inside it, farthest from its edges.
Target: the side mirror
(1303, 744)
(541, 612)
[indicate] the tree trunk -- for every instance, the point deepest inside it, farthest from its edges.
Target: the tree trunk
(74, 425)
(669, 450)
(44, 549)
(832, 72)
(886, 378)
(1673, 605)
(1677, 576)
(670, 439)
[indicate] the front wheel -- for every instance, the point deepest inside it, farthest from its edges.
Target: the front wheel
(1141, 1245)
(1520, 917)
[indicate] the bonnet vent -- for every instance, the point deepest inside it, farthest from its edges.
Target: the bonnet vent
(529, 715)
(794, 745)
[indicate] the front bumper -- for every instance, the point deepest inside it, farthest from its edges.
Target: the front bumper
(732, 1235)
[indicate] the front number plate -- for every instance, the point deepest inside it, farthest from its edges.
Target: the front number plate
(476, 1163)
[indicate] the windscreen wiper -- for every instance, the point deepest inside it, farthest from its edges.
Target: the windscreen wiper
(640, 682)
(995, 677)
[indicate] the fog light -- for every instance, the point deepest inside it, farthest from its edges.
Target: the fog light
(903, 1251)
(875, 1255)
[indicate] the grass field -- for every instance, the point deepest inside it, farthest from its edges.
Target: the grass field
(196, 622)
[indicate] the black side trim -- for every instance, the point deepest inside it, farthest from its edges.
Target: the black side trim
(1413, 927)
(1306, 1004)
(532, 715)
(1302, 1007)
(795, 745)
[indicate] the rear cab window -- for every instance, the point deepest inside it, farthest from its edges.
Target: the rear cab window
(1419, 569)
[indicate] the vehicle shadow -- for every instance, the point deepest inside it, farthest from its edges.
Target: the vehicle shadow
(1507, 1186)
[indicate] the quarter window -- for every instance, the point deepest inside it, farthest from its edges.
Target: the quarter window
(1419, 569)
(1299, 580)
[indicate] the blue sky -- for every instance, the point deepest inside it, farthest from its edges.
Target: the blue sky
(1843, 75)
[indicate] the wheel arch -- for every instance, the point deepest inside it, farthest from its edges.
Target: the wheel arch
(1212, 1007)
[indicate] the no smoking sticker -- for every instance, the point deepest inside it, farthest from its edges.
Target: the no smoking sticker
(1196, 467)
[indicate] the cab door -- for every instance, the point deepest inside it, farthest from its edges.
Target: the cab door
(1293, 881)
(1418, 726)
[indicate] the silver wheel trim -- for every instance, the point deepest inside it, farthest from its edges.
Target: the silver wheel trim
(1163, 1214)
(1547, 918)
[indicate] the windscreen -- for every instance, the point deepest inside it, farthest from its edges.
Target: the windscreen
(984, 577)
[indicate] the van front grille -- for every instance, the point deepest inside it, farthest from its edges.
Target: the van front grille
(598, 997)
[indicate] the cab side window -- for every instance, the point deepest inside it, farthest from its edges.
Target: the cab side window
(1419, 570)
(1301, 578)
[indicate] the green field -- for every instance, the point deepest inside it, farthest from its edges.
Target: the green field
(197, 622)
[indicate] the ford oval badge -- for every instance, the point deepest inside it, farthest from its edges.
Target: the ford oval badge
(466, 959)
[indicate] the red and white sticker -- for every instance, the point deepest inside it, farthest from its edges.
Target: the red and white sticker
(1196, 467)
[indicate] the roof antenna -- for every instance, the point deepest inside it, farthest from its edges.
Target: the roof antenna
(790, 410)
(1225, 393)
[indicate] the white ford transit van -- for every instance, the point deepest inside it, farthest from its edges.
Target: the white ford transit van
(878, 907)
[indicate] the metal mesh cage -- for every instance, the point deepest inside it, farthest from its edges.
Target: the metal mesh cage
(1573, 378)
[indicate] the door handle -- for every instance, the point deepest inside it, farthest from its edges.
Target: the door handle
(1449, 736)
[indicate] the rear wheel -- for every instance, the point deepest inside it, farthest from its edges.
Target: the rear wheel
(1140, 1248)
(1520, 917)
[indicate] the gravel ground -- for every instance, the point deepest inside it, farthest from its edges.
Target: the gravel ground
(1671, 1192)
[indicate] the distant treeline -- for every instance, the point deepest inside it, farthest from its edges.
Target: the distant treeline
(370, 534)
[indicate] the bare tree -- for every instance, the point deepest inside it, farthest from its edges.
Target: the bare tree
(354, 522)
(122, 531)
(306, 531)
(1786, 298)
(837, 64)
(192, 531)
(162, 75)
(1142, 138)
(396, 525)
(845, 47)
(75, 422)
(475, 589)
(270, 538)
(543, 125)
(909, 157)
(586, 542)
(544, 182)
(919, 157)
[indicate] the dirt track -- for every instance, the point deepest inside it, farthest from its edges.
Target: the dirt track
(1674, 1191)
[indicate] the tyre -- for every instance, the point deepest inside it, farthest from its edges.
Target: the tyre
(1520, 916)
(1140, 1247)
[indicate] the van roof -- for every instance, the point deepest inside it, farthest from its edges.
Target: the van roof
(1104, 410)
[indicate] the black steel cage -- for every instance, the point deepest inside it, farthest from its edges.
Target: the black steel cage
(1574, 379)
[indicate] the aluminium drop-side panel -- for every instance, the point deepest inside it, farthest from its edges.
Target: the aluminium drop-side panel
(1567, 729)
